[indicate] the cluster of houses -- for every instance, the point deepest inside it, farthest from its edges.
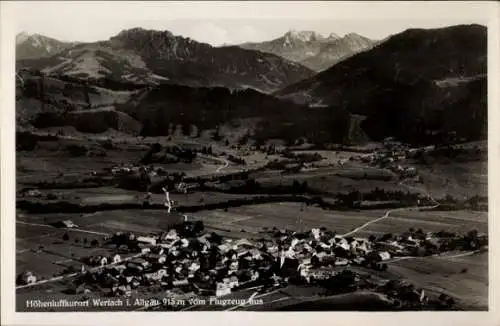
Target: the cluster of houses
(189, 263)
(203, 264)
(391, 159)
(386, 157)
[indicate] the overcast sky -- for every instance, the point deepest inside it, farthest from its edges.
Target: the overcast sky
(232, 23)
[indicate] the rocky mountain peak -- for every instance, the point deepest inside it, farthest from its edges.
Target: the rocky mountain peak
(137, 33)
(21, 37)
(303, 36)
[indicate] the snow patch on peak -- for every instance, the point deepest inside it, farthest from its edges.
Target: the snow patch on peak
(303, 36)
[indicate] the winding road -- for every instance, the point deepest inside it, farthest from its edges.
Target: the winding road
(361, 227)
(386, 215)
(224, 163)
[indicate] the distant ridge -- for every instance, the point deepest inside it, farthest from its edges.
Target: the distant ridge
(32, 46)
(312, 49)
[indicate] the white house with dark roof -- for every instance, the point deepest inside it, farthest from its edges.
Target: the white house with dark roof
(194, 266)
(379, 255)
(116, 259)
(145, 250)
(222, 288)
(233, 282)
(26, 277)
(69, 224)
(98, 260)
(225, 247)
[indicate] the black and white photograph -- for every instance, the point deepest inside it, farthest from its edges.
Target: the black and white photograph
(273, 164)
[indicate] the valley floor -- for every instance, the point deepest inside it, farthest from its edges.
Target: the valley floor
(40, 247)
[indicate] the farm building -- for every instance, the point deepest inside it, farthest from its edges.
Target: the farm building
(233, 282)
(138, 264)
(341, 262)
(184, 243)
(379, 255)
(155, 276)
(98, 261)
(116, 259)
(124, 290)
(65, 224)
(225, 247)
(145, 250)
(222, 288)
(26, 278)
(254, 275)
(171, 235)
(321, 274)
(162, 259)
(180, 282)
(255, 254)
(359, 260)
(157, 250)
(119, 269)
(194, 267)
(82, 288)
(233, 266)
(243, 243)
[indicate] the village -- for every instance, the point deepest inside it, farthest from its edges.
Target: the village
(187, 262)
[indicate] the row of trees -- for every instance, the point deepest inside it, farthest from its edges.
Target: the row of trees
(253, 186)
(236, 160)
(378, 194)
(302, 157)
(85, 241)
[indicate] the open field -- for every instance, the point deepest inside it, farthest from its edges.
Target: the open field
(333, 180)
(253, 218)
(32, 168)
(117, 196)
(444, 275)
(457, 179)
(429, 221)
(355, 301)
(140, 221)
(40, 248)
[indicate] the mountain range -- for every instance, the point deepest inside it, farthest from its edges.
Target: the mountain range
(152, 57)
(312, 49)
(419, 86)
